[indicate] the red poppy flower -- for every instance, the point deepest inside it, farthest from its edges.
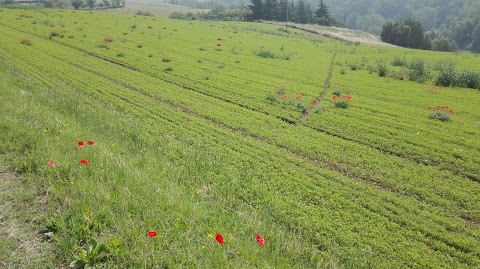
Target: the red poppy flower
(260, 240)
(83, 161)
(219, 238)
(151, 233)
(51, 164)
(80, 144)
(90, 143)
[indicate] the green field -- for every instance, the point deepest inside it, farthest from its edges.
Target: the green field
(232, 128)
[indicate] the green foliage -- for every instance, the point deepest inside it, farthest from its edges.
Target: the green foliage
(469, 79)
(265, 53)
(144, 13)
(26, 41)
(418, 70)
(166, 59)
(444, 44)
(440, 115)
(382, 69)
(447, 76)
(399, 61)
(407, 33)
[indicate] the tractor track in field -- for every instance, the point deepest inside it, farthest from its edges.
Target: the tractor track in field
(326, 87)
(305, 116)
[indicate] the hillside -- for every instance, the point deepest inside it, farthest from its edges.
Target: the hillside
(158, 143)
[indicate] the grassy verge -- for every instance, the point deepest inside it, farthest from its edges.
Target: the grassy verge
(131, 185)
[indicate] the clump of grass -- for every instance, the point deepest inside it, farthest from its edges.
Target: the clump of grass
(341, 101)
(121, 54)
(57, 32)
(26, 41)
(342, 71)
(399, 61)
(441, 113)
(469, 79)
(139, 46)
(168, 69)
(166, 59)
(382, 69)
(202, 48)
(447, 76)
(418, 70)
(354, 66)
(265, 53)
(108, 39)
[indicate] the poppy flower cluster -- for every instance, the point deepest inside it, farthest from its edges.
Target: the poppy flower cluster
(442, 108)
(432, 89)
(218, 237)
(343, 96)
(80, 144)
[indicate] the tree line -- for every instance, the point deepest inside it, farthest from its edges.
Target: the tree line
(298, 12)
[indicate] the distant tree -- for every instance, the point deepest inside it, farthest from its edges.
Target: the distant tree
(283, 11)
(77, 4)
(406, 33)
(48, 3)
(444, 44)
(475, 46)
(257, 7)
(106, 3)
(322, 15)
(270, 10)
(302, 12)
(388, 33)
(427, 42)
(463, 32)
(91, 3)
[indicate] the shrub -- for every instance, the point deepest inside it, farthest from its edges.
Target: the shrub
(337, 92)
(400, 75)
(441, 113)
(469, 79)
(342, 71)
(168, 69)
(103, 45)
(26, 41)
(398, 61)
(166, 59)
(382, 69)
(341, 101)
(354, 66)
(139, 46)
(265, 53)
(418, 71)
(57, 32)
(108, 39)
(447, 76)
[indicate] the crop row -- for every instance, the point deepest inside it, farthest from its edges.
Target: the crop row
(252, 79)
(309, 143)
(314, 187)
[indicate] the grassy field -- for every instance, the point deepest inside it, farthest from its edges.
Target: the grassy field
(239, 129)
(156, 9)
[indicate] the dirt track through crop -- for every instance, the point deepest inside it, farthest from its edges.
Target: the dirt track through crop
(326, 87)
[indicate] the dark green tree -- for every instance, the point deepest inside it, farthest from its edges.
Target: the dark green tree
(91, 3)
(475, 46)
(270, 11)
(257, 8)
(322, 15)
(302, 12)
(77, 4)
(284, 12)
